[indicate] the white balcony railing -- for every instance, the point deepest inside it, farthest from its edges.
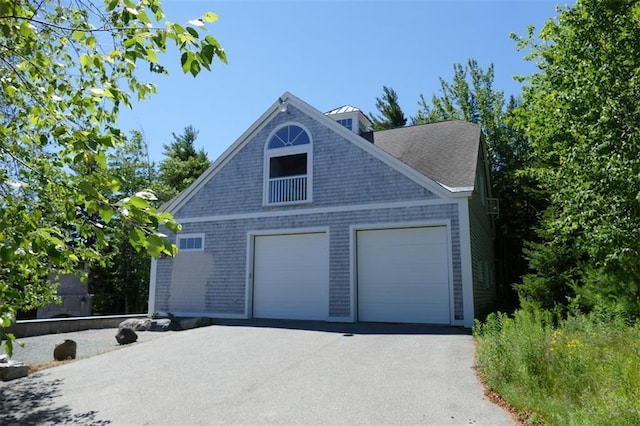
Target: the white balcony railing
(288, 189)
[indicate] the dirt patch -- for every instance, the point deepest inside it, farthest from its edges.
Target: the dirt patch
(39, 366)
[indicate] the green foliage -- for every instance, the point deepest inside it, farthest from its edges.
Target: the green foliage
(391, 115)
(580, 371)
(182, 165)
(121, 284)
(66, 69)
(581, 111)
(471, 97)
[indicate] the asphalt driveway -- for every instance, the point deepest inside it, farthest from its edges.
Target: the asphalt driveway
(267, 373)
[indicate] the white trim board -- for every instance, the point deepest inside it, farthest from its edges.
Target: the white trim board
(317, 210)
(466, 268)
(152, 286)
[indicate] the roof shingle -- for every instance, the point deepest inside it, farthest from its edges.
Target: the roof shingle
(446, 152)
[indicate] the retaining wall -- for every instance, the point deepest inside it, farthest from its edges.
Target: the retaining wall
(37, 327)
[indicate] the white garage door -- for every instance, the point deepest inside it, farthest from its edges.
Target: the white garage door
(291, 276)
(403, 275)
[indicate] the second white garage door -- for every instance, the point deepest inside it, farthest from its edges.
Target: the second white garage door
(403, 275)
(291, 276)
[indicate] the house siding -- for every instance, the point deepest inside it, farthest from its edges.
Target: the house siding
(482, 255)
(226, 244)
(342, 174)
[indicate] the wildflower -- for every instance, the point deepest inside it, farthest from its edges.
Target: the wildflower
(573, 343)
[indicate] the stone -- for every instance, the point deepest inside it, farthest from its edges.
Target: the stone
(65, 350)
(126, 335)
(11, 370)
(136, 324)
(4, 358)
(163, 324)
(188, 323)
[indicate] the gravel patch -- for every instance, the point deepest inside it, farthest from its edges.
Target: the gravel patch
(39, 349)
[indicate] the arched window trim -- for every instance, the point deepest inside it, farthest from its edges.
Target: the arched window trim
(298, 138)
(302, 183)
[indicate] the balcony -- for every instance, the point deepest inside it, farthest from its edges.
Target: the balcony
(290, 189)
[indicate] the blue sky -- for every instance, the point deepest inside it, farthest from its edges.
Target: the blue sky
(328, 53)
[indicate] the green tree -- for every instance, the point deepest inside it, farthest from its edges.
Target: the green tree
(470, 96)
(390, 114)
(183, 163)
(66, 69)
(121, 284)
(581, 110)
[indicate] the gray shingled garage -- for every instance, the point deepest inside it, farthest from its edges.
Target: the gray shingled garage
(291, 276)
(253, 207)
(403, 275)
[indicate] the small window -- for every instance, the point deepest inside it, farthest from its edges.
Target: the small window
(346, 122)
(191, 242)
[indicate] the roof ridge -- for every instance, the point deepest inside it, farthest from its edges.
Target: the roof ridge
(429, 124)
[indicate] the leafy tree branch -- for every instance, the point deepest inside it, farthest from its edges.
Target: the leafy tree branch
(66, 69)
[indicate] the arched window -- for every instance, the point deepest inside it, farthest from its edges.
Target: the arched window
(288, 166)
(290, 135)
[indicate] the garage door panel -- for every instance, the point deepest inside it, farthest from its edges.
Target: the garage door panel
(410, 295)
(411, 314)
(403, 275)
(291, 276)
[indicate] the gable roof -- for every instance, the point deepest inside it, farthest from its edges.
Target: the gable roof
(394, 162)
(446, 152)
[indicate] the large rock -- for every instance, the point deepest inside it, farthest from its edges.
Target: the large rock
(126, 335)
(164, 324)
(136, 324)
(10, 370)
(65, 350)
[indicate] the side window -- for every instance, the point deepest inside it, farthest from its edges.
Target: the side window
(190, 242)
(288, 166)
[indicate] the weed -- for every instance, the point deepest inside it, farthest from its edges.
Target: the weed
(583, 370)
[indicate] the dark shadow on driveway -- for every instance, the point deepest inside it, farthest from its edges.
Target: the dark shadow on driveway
(32, 401)
(347, 328)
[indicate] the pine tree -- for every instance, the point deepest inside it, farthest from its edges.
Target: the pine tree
(391, 115)
(183, 163)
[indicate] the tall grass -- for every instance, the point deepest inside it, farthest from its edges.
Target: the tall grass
(584, 370)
